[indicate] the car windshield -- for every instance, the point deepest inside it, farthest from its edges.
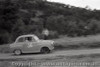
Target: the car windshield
(36, 38)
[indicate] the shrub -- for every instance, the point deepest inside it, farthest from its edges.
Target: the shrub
(53, 35)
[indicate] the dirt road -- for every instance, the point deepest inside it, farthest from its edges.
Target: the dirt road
(51, 55)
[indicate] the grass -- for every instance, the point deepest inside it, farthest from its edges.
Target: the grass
(78, 42)
(4, 48)
(65, 42)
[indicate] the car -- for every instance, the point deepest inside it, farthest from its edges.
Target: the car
(31, 43)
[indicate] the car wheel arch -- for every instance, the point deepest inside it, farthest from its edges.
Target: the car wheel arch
(17, 49)
(45, 47)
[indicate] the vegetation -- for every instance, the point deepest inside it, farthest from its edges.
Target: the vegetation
(19, 17)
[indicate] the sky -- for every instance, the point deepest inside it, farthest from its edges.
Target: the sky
(92, 4)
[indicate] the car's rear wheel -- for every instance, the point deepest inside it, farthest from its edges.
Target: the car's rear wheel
(17, 52)
(45, 50)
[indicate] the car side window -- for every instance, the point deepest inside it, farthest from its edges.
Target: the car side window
(29, 39)
(21, 39)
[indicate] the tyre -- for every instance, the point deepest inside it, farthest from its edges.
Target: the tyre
(45, 50)
(17, 52)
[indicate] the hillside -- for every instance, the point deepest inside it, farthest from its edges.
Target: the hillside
(32, 16)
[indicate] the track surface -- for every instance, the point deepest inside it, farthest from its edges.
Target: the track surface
(53, 54)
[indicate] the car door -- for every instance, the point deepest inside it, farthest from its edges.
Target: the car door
(20, 43)
(30, 45)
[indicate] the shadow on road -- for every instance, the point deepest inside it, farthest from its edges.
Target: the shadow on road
(25, 54)
(31, 53)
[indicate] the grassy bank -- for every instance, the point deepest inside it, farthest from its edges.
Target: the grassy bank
(66, 43)
(77, 42)
(4, 48)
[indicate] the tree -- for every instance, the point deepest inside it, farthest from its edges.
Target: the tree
(8, 17)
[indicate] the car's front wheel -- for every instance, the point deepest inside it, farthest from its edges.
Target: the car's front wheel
(45, 50)
(17, 52)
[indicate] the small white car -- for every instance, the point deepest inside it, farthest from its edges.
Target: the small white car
(30, 44)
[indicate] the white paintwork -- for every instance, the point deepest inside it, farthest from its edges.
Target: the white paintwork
(33, 46)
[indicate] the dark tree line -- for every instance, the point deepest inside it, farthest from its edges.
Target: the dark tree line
(8, 18)
(19, 17)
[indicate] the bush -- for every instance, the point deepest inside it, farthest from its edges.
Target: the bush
(53, 35)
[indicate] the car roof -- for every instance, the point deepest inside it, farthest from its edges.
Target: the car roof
(28, 35)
